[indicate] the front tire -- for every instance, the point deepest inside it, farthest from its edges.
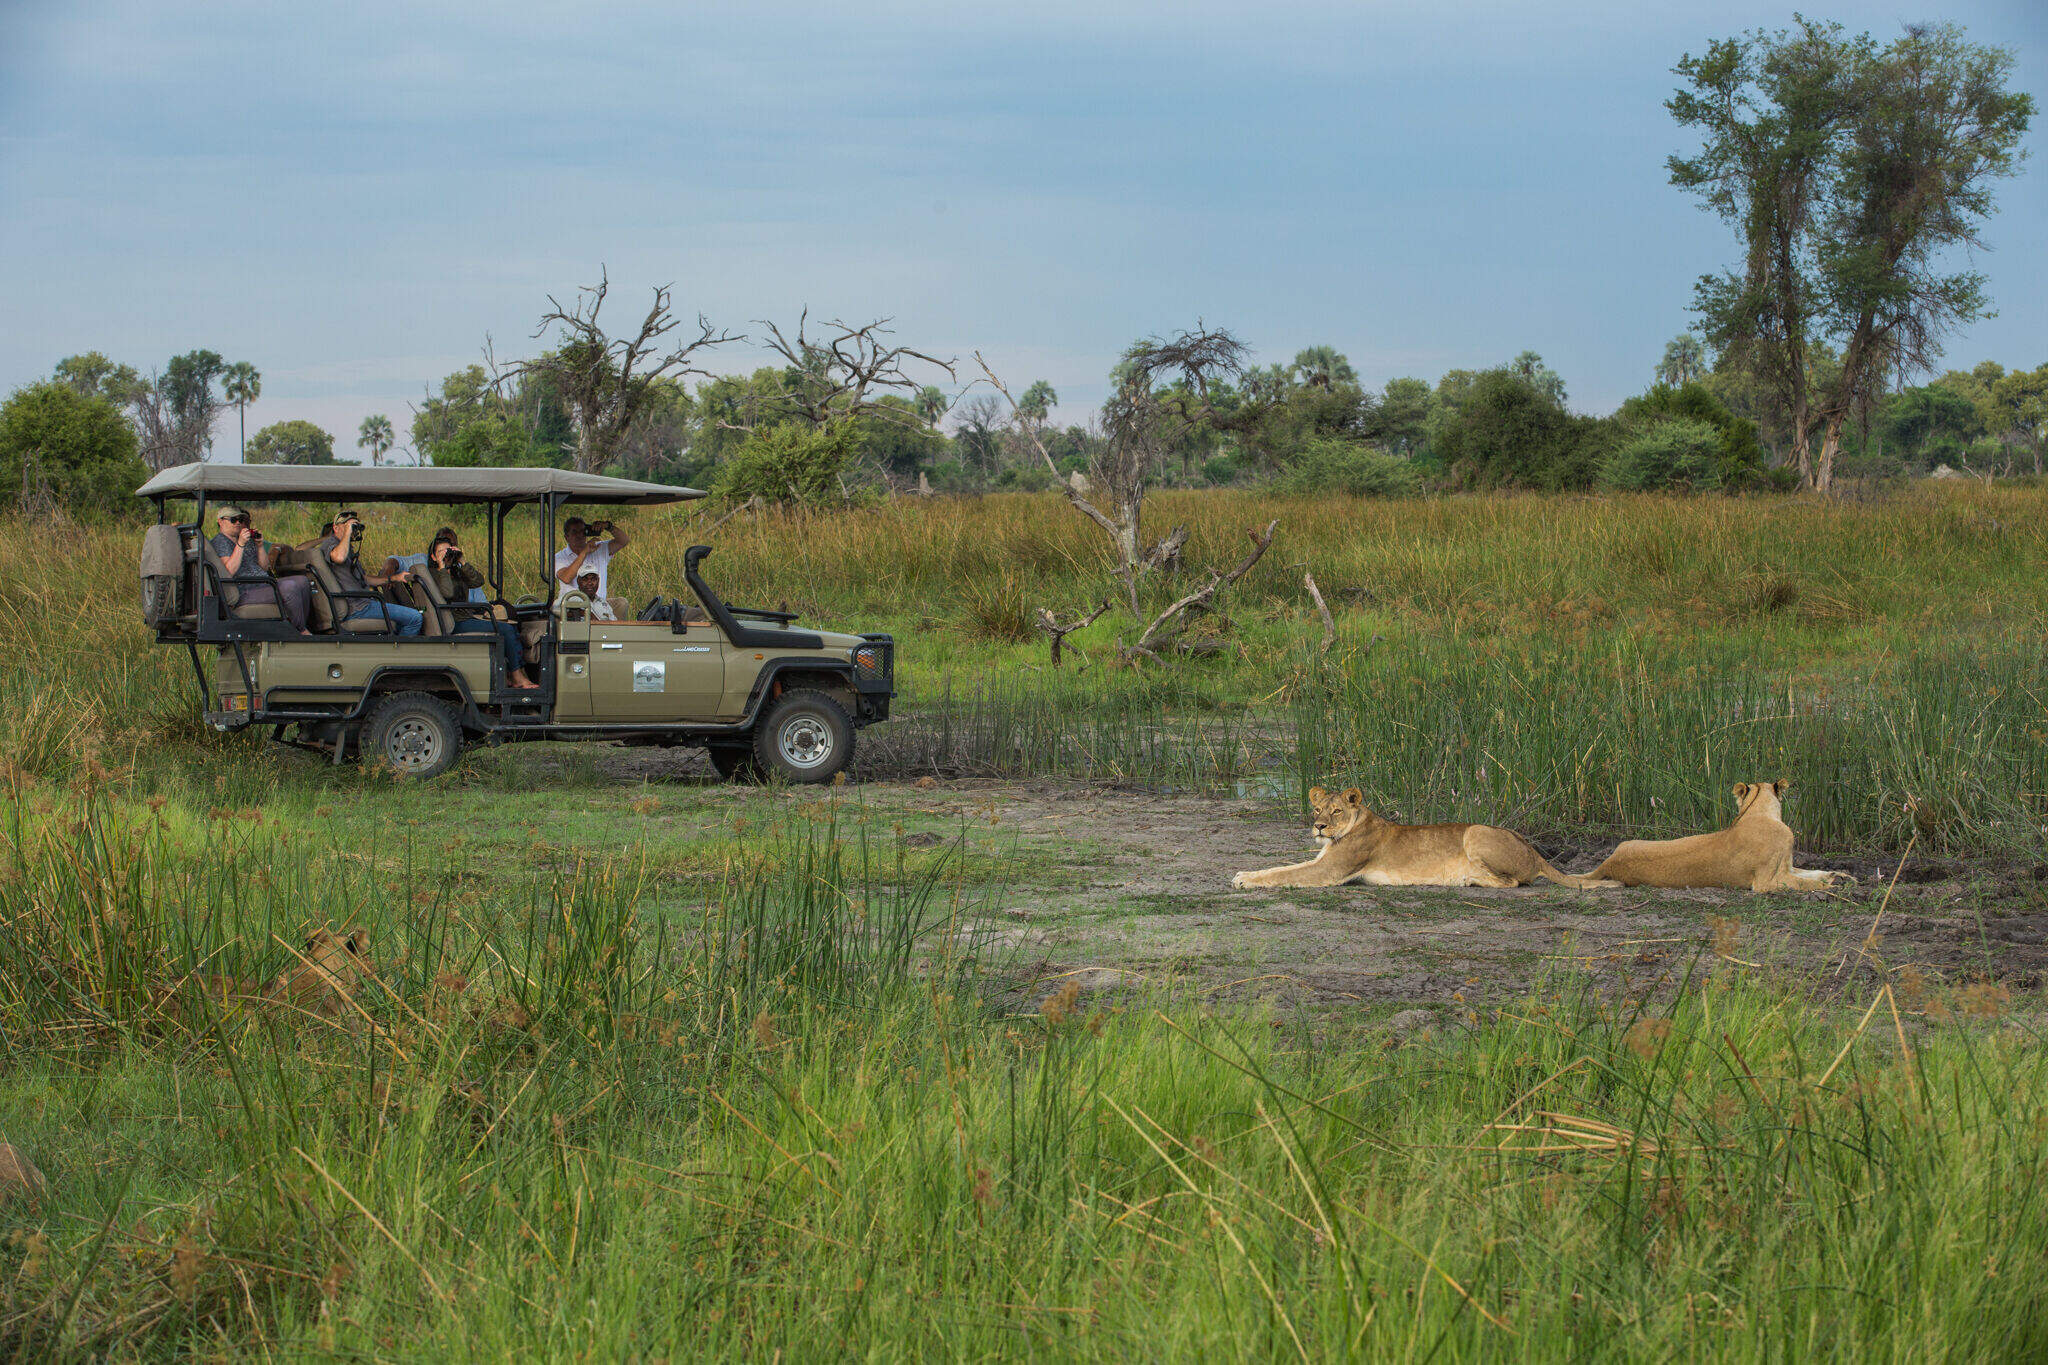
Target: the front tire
(414, 734)
(805, 737)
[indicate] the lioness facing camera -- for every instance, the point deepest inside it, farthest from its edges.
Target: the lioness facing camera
(1754, 853)
(1359, 846)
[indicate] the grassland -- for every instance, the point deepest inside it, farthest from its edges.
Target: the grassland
(657, 1068)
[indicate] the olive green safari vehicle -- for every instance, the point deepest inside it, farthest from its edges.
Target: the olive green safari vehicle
(760, 695)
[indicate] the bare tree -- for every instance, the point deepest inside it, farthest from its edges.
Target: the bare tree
(1142, 421)
(838, 370)
(605, 381)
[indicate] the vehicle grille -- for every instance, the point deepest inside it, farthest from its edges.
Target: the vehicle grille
(875, 661)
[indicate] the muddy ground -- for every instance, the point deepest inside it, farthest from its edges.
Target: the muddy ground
(1125, 891)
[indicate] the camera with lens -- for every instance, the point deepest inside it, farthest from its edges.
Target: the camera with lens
(355, 533)
(454, 555)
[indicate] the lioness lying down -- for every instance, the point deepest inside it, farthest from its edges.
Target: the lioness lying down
(1753, 853)
(1359, 846)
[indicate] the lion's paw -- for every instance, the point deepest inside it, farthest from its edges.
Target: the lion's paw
(1242, 879)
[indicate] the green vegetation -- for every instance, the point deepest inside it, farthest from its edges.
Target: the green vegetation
(63, 448)
(587, 1109)
(293, 442)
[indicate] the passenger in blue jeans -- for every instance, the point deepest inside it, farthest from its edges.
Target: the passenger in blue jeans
(340, 548)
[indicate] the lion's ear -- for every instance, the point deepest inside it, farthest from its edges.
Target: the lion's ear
(359, 942)
(1354, 797)
(1780, 785)
(1741, 792)
(1316, 794)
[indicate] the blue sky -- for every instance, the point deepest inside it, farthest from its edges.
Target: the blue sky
(353, 196)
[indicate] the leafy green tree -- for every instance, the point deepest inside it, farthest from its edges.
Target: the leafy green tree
(1850, 171)
(375, 434)
(1685, 360)
(63, 448)
(1405, 408)
(242, 385)
(1932, 422)
(293, 442)
(96, 376)
(2020, 402)
(188, 389)
(1321, 367)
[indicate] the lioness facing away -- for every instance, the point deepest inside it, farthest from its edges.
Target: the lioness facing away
(1754, 853)
(1359, 846)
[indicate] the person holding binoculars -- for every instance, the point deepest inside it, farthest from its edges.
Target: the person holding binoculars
(591, 547)
(344, 534)
(453, 578)
(246, 557)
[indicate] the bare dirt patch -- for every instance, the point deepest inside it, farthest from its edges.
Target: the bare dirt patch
(1126, 891)
(1141, 896)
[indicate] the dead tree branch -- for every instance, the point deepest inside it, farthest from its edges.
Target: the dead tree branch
(1203, 596)
(1322, 608)
(1059, 632)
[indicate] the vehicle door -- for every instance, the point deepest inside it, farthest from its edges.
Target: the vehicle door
(572, 669)
(646, 670)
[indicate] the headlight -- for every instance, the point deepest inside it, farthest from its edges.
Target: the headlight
(868, 658)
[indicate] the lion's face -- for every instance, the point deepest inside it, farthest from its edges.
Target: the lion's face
(343, 958)
(1332, 815)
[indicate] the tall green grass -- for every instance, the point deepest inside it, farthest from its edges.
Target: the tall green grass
(1551, 661)
(576, 1127)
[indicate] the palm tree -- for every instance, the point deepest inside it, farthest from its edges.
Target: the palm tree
(376, 434)
(1037, 403)
(1685, 360)
(931, 403)
(1322, 367)
(242, 385)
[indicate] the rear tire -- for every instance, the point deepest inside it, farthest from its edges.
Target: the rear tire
(805, 737)
(414, 734)
(734, 762)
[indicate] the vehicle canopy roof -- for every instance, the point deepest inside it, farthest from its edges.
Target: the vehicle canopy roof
(350, 483)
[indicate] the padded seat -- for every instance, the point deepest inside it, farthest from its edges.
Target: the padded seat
(231, 592)
(329, 593)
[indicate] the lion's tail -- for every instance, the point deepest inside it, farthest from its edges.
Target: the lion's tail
(1582, 882)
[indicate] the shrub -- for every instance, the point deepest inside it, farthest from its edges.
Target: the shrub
(790, 463)
(59, 446)
(1219, 470)
(1740, 462)
(1673, 453)
(1507, 432)
(1333, 465)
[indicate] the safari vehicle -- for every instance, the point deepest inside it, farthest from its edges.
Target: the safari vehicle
(763, 697)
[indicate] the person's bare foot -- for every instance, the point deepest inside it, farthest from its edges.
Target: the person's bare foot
(523, 683)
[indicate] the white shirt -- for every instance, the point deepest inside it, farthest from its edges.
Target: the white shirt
(598, 562)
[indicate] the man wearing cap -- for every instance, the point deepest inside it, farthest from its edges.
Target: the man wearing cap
(339, 547)
(587, 554)
(247, 561)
